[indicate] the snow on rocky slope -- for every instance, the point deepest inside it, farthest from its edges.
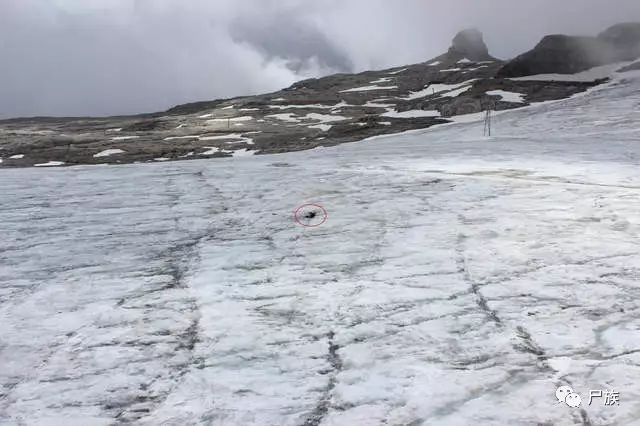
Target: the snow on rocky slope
(311, 113)
(458, 280)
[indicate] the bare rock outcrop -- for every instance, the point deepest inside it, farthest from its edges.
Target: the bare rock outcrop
(470, 44)
(563, 54)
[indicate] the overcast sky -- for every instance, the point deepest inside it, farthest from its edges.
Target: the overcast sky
(98, 57)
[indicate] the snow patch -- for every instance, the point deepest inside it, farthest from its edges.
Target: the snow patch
(457, 92)
(288, 117)
(232, 119)
(237, 136)
(243, 153)
(50, 164)
(309, 106)
(381, 80)
(414, 113)
(437, 88)
(325, 118)
(124, 138)
(17, 157)
(170, 138)
(323, 127)
(210, 150)
(508, 96)
(368, 88)
(108, 152)
(373, 104)
(397, 72)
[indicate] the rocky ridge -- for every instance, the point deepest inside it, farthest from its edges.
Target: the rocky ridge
(563, 54)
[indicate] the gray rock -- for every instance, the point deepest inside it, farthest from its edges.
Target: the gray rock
(625, 38)
(631, 67)
(470, 44)
(562, 54)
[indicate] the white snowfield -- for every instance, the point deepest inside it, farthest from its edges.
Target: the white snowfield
(458, 280)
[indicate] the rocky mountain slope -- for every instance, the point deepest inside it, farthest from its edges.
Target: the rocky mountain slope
(571, 54)
(317, 112)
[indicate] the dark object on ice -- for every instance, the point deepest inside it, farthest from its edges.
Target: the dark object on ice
(310, 215)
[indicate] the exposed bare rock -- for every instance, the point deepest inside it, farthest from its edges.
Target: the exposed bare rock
(470, 44)
(562, 54)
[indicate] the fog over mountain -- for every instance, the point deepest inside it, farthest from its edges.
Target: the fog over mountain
(74, 57)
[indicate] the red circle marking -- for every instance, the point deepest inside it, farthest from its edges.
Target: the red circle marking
(324, 212)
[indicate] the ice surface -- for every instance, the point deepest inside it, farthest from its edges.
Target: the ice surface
(458, 280)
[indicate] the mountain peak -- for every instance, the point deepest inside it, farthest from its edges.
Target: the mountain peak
(469, 43)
